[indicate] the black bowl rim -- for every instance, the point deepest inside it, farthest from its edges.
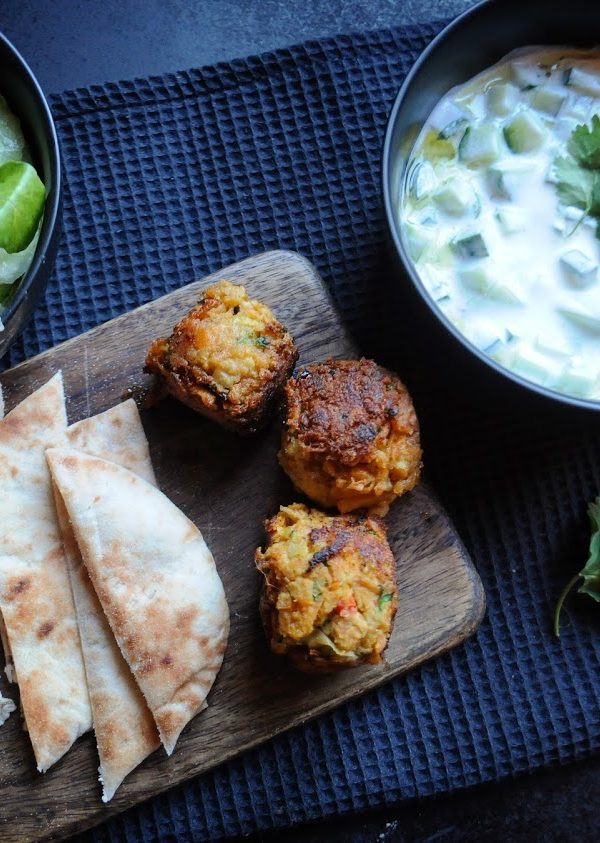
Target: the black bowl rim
(405, 258)
(52, 204)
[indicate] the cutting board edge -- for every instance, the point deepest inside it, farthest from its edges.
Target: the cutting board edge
(287, 254)
(464, 626)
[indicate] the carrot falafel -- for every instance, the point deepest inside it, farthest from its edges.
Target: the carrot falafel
(228, 358)
(351, 436)
(329, 595)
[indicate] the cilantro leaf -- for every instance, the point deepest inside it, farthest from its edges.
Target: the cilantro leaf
(595, 204)
(584, 144)
(575, 186)
(577, 174)
(591, 571)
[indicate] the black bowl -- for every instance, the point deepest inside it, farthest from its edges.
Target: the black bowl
(25, 98)
(471, 43)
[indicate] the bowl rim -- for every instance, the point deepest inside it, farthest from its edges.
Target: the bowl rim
(53, 197)
(393, 228)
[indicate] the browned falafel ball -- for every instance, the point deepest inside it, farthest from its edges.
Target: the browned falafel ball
(351, 436)
(228, 358)
(329, 596)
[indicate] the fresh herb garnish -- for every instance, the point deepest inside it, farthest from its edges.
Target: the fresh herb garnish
(249, 337)
(317, 590)
(578, 173)
(384, 597)
(590, 573)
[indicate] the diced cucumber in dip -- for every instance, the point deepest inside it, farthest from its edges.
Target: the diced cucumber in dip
(582, 80)
(479, 145)
(524, 133)
(501, 98)
(548, 100)
(470, 246)
(457, 198)
(500, 212)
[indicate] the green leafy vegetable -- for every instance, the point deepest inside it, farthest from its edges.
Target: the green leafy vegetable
(584, 144)
(384, 597)
(22, 197)
(6, 291)
(591, 572)
(578, 173)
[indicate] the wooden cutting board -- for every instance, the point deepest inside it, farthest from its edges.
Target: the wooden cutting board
(228, 486)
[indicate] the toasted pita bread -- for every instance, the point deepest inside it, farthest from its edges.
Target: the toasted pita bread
(156, 580)
(123, 724)
(35, 594)
(9, 670)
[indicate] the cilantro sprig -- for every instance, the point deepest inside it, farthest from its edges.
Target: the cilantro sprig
(578, 172)
(591, 571)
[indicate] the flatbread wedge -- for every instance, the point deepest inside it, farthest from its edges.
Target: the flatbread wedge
(125, 730)
(35, 594)
(156, 580)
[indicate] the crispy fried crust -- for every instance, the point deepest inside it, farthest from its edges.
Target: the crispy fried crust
(329, 596)
(351, 437)
(229, 359)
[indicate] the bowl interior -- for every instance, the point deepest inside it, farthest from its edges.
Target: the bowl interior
(471, 43)
(25, 98)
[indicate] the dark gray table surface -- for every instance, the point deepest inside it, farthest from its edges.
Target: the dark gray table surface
(70, 43)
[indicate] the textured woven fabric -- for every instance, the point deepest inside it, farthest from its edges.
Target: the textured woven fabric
(170, 178)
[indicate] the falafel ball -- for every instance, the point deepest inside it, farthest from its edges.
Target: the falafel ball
(329, 596)
(351, 436)
(228, 358)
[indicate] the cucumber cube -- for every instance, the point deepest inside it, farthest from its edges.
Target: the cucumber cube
(479, 145)
(469, 246)
(582, 80)
(485, 335)
(479, 280)
(456, 127)
(579, 269)
(527, 75)
(501, 98)
(527, 361)
(582, 316)
(422, 180)
(524, 133)
(555, 346)
(548, 100)
(581, 379)
(417, 240)
(578, 107)
(505, 179)
(564, 127)
(511, 220)
(456, 197)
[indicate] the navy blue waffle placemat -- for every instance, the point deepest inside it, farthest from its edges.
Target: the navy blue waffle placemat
(171, 178)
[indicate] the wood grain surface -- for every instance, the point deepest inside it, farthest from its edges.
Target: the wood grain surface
(228, 486)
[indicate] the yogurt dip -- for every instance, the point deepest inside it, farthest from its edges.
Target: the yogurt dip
(502, 254)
